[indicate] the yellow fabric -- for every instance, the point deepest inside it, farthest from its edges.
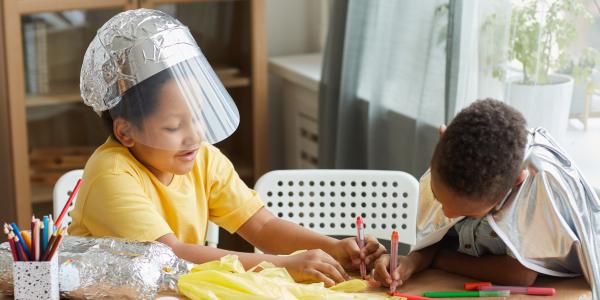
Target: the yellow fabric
(120, 197)
(227, 279)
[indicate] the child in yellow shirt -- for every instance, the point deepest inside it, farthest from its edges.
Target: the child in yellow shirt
(158, 178)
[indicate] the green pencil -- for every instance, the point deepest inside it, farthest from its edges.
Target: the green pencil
(466, 294)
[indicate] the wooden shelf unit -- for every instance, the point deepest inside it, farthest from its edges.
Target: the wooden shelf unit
(240, 63)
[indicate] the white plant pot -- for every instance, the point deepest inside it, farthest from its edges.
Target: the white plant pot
(545, 105)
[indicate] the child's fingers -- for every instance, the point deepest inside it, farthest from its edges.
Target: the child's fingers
(371, 246)
(318, 276)
(372, 257)
(330, 271)
(396, 274)
(381, 272)
(335, 264)
(352, 250)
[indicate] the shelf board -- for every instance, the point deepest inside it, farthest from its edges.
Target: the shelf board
(235, 82)
(26, 7)
(245, 172)
(41, 193)
(33, 100)
(231, 77)
(159, 2)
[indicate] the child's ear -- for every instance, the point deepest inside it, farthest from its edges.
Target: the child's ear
(122, 131)
(521, 177)
(441, 130)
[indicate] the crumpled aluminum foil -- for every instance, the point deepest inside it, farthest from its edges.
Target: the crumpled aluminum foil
(92, 268)
(129, 48)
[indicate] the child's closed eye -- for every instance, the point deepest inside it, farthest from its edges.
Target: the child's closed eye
(172, 128)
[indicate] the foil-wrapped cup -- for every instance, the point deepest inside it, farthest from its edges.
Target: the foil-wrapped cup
(92, 268)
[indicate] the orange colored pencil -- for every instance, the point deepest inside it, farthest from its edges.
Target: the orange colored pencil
(26, 238)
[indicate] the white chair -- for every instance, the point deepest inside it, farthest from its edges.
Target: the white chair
(212, 235)
(328, 201)
(62, 191)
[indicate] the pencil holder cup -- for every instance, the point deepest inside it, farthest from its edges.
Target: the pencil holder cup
(36, 279)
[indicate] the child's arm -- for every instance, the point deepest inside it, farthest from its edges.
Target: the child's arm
(310, 266)
(277, 236)
(499, 269)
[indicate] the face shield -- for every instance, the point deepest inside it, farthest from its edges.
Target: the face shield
(145, 69)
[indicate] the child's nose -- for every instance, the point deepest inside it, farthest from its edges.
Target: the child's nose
(193, 136)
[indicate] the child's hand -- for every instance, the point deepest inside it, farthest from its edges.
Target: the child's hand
(401, 273)
(314, 266)
(348, 253)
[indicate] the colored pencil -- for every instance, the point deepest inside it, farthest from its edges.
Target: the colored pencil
(13, 248)
(22, 254)
(68, 204)
(20, 239)
(45, 234)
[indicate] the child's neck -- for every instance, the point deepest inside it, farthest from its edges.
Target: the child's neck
(164, 178)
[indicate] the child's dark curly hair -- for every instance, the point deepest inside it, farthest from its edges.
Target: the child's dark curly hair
(480, 154)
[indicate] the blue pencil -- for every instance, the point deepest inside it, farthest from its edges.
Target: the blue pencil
(45, 237)
(21, 240)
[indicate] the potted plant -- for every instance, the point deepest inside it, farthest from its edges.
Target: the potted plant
(538, 36)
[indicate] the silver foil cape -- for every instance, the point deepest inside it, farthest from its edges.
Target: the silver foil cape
(92, 268)
(551, 222)
(129, 48)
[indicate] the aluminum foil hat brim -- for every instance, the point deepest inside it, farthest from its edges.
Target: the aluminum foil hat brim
(144, 62)
(179, 108)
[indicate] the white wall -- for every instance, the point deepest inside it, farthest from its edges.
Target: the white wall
(293, 27)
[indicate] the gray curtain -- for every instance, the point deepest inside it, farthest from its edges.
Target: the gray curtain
(383, 90)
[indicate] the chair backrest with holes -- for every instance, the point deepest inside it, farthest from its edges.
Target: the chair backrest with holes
(62, 191)
(328, 201)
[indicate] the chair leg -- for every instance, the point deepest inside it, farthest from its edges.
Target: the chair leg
(586, 110)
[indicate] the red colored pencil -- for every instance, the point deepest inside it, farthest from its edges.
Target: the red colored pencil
(33, 238)
(68, 204)
(13, 249)
(21, 252)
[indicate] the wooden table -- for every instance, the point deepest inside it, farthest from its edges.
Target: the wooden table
(438, 281)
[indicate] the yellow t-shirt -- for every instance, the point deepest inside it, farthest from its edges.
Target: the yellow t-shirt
(120, 197)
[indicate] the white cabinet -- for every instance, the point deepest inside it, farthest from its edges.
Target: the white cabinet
(301, 75)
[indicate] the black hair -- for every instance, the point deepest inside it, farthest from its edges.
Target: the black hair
(481, 152)
(137, 102)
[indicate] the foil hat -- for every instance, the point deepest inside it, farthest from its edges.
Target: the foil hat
(136, 45)
(129, 48)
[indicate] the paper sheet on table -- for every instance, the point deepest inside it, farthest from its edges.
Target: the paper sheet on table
(227, 279)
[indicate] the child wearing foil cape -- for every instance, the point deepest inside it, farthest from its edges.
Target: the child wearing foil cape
(158, 177)
(502, 204)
